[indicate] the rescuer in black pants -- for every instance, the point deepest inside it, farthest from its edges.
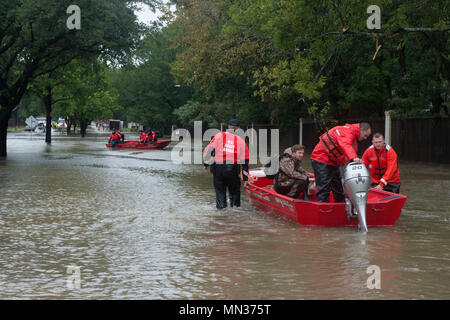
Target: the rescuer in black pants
(226, 176)
(225, 154)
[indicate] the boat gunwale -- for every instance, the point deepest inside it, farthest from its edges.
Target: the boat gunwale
(266, 200)
(273, 192)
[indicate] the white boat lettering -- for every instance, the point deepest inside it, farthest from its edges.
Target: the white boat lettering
(284, 203)
(261, 196)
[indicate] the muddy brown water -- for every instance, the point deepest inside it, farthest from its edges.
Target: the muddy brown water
(138, 226)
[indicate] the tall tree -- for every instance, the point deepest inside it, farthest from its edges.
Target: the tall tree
(147, 89)
(219, 63)
(363, 71)
(85, 93)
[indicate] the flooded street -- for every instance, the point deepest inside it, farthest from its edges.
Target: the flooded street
(138, 226)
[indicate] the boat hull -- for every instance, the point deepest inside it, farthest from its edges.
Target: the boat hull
(134, 144)
(383, 208)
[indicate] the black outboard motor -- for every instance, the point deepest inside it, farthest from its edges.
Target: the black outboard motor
(356, 183)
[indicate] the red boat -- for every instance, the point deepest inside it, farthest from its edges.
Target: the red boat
(134, 144)
(383, 208)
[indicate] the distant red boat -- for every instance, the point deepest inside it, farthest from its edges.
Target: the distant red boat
(134, 144)
(383, 208)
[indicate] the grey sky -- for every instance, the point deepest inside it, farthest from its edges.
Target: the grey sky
(146, 15)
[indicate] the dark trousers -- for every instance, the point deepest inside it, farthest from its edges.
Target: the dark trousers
(226, 176)
(294, 189)
(328, 178)
(114, 142)
(391, 187)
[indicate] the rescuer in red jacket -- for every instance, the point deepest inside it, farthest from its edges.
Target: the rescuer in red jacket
(225, 154)
(152, 136)
(114, 138)
(121, 136)
(336, 147)
(381, 160)
(142, 136)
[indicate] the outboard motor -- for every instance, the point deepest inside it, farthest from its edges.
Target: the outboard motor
(356, 183)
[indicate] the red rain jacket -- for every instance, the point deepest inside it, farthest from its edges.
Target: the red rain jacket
(114, 136)
(338, 145)
(229, 148)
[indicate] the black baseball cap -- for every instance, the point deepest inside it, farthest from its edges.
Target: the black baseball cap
(234, 122)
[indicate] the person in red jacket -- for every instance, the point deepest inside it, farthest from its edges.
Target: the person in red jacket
(114, 138)
(224, 155)
(336, 147)
(142, 136)
(381, 160)
(152, 136)
(121, 136)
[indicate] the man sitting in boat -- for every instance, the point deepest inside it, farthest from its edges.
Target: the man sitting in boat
(114, 138)
(381, 160)
(121, 136)
(143, 138)
(292, 179)
(152, 136)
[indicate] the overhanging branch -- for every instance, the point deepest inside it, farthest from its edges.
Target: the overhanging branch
(380, 34)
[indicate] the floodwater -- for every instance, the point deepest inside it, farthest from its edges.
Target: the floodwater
(79, 221)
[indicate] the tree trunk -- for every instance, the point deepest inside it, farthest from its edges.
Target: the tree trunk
(436, 101)
(69, 125)
(402, 60)
(4, 117)
(48, 110)
(83, 126)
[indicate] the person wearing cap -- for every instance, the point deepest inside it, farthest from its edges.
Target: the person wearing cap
(226, 155)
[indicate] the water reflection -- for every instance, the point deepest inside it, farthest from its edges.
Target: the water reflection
(142, 227)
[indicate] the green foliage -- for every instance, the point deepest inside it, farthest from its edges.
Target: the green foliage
(35, 41)
(263, 61)
(86, 93)
(288, 77)
(214, 114)
(147, 89)
(30, 106)
(314, 58)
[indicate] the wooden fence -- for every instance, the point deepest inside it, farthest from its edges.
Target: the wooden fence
(417, 139)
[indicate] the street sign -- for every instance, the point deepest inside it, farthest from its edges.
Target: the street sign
(31, 122)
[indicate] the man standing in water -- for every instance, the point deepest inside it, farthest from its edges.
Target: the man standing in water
(336, 147)
(225, 154)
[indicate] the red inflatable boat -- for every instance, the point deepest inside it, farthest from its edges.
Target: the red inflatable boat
(383, 208)
(134, 144)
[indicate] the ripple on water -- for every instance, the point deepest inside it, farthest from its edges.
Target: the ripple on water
(139, 226)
